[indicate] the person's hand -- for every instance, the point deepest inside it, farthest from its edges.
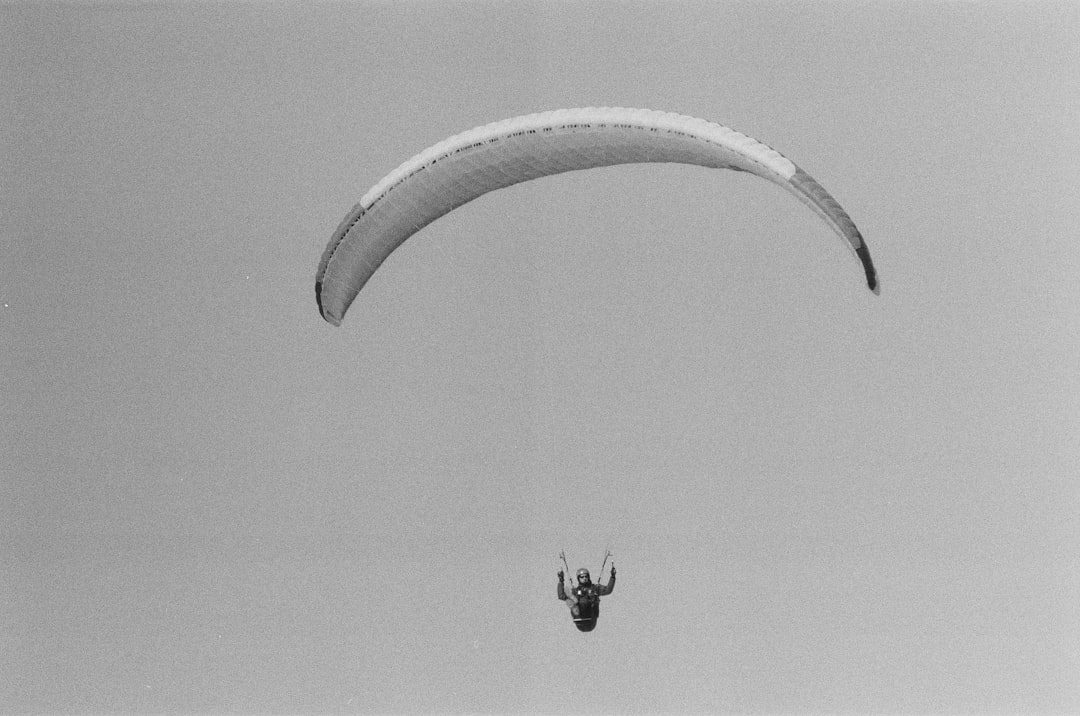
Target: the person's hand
(612, 569)
(562, 575)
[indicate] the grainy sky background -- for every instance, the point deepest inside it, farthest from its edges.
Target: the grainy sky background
(819, 500)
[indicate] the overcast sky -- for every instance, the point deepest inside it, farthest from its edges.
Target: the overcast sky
(819, 500)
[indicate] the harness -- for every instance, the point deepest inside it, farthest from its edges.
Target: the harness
(588, 603)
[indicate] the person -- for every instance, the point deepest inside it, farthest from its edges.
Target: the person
(584, 599)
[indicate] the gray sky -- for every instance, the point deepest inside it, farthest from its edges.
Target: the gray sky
(819, 500)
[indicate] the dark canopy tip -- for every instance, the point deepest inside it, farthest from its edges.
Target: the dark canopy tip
(868, 266)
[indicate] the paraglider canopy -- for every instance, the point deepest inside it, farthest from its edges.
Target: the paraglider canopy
(468, 165)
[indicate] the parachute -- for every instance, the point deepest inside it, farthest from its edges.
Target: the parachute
(468, 165)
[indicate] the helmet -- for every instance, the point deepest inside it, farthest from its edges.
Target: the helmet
(583, 575)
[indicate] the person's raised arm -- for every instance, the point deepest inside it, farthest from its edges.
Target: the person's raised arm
(610, 586)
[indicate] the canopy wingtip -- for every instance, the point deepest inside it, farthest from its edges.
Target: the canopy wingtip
(328, 317)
